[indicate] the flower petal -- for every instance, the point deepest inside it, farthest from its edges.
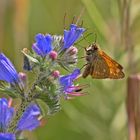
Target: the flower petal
(7, 71)
(29, 119)
(72, 35)
(43, 44)
(6, 113)
(7, 136)
(67, 81)
(75, 74)
(37, 50)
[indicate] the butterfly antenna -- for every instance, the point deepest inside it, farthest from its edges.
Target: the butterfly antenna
(95, 38)
(84, 38)
(64, 21)
(85, 49)
(79, 17)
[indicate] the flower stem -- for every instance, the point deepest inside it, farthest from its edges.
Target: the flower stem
(13, 125)
(24, 104)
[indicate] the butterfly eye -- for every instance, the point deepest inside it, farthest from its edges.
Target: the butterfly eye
(89, 52)
(94, 47)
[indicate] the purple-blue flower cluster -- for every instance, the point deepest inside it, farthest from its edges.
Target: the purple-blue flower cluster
(28, 121)
(50, 54)
(43, 45)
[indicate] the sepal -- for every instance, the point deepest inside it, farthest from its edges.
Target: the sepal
(52, 103)
(11, 93)
(30, 57)
(49, 93)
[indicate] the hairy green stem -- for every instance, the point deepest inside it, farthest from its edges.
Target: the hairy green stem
(13, 125)
(24, 104)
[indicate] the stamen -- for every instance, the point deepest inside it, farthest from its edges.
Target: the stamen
(10, 102)
(40, 117)
(76, 94)
(84, 38)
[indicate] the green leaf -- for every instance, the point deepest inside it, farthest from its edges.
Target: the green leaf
(9, 92)
(42, 106)
(51, 101)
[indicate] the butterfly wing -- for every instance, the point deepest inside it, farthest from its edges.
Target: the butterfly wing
(99, 68)
(115, 69)
(86, 71)
(104, 66)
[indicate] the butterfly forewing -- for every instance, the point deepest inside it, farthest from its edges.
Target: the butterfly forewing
(99, 69)
(114, 67)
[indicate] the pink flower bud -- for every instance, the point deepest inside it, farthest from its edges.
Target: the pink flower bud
(72, 50)
(53, 55)
(22, 76)
(23, 80)
(56, 73)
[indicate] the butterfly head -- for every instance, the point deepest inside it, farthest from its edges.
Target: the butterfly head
(91, 52)
(92, 49)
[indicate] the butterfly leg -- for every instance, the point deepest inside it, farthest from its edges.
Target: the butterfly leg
(86, 71)
(84, 66)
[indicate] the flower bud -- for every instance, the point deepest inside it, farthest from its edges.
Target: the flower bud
(72, 50)
(53, 55)
(56, 74)
(23, 78)
(25, 50)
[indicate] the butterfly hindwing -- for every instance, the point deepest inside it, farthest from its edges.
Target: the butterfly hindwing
(86, 71)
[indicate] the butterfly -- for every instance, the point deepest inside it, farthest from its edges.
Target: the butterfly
(100, 65)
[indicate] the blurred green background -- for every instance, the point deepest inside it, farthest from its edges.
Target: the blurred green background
(101, 115)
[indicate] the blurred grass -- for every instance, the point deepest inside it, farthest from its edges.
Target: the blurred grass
(101, 115)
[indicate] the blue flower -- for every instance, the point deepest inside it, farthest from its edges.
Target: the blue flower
(72, 35)
(7, 136)
(6, 113)
(28, 121)
(43, 44)
(67, 83)
(7, 71)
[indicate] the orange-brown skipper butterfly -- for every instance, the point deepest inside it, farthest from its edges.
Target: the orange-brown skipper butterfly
(100, 65)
